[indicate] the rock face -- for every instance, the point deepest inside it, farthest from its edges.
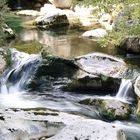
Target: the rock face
(50, 22)
(131, 44)
(64, 4)
(97, 33)
(44, 124)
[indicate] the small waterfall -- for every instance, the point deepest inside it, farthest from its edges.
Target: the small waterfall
(125, 92)
(16, 78)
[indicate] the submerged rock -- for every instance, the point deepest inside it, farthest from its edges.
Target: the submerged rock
(131, 44)
(54, 21)
(96, 33)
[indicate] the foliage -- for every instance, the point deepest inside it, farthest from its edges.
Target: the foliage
(3, 10)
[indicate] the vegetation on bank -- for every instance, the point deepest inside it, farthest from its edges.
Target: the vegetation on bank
(127, 23)
(3, 10)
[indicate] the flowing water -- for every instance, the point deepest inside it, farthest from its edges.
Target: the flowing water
(67, 43)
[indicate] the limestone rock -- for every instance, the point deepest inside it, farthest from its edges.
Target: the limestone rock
(64, 4)
(54, 21)
(96, 33)
(113, 109)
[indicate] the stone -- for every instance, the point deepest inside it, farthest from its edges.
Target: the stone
(96, 33)
(26, 124)
(137, 86)
(63, 4)
(51, 22)
(114, 109)
(131, 45)
(33, 13)
(9, 33)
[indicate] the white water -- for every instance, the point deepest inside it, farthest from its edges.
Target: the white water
(124, 90)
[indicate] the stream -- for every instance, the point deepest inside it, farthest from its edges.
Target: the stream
(68, 44)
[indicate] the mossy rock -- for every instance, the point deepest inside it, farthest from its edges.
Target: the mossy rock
(115, 110)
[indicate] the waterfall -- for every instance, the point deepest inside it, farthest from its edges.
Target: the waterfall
(18, 75)
(125, 92)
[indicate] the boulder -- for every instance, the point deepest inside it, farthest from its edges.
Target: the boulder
(96, 33)
(114, 109)
(63, 4)
(9, 33)
(131, 44)
(111, 109)
(51, 22)
(41, 123)
(137, 86)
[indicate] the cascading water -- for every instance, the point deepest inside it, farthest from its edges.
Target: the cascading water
(125, 90)
(16, 77)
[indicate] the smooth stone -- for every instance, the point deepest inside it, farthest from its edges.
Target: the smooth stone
(96, 33)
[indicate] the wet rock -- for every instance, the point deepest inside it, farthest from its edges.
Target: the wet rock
(96, 33)
(64, 4)
(9, 33)
(54, 21)
(99, 72)
(131, 44)
(33, 13)
(23, 124)
(113, 109)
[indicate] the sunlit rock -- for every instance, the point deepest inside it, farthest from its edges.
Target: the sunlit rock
(64, 4)
(33, 13)
(96, 33)
(98, 72)
(54, 21)
(52, 125)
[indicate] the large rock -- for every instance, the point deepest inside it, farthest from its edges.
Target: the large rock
(96, 71)
(111, 109)
(131, 44)
(50, 22)
(64, 4)
(41, 123)
(96, 33)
